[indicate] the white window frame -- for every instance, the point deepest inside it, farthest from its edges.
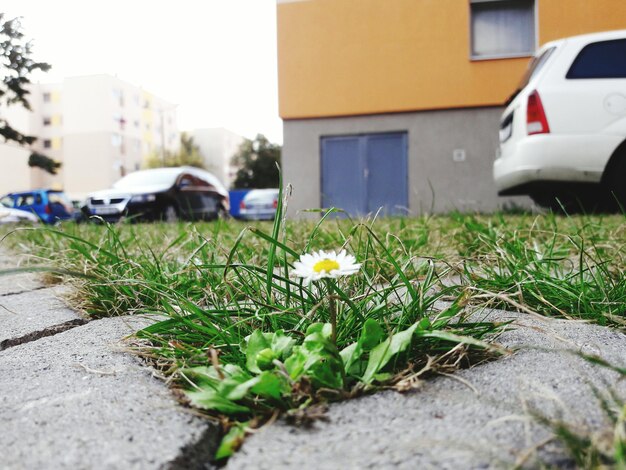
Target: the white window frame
(511, 55)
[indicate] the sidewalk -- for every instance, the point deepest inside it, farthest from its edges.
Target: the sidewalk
(479, 419)
(72, 398)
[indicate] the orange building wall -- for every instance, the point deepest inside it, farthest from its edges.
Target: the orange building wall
(351, 57)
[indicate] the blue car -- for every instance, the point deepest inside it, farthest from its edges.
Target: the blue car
(49, 205)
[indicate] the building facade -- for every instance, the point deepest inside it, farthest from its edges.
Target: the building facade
(397, 104)
(99, 127)
(218, 146)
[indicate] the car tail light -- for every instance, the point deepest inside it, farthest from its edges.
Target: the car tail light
(275, 204)
(242, 205)
(536, 121)
(48, 209)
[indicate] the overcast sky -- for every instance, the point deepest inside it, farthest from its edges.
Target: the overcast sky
(216, 59)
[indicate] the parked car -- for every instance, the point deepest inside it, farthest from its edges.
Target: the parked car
(9, 215)
(563, 134)
(168, 194)
(259, 204)
(50, 206)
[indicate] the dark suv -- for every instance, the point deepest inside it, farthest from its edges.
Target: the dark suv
(166, 194)
(51, 206)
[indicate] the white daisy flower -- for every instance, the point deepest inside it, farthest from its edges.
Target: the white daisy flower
(315, 266)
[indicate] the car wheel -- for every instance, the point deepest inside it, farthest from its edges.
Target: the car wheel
(222, 213)
(170, 214)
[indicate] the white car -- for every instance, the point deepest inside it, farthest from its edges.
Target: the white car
(9, 215)
(259, 204)
(563, 134)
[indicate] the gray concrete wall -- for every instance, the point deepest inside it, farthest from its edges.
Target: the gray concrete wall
(437, 183)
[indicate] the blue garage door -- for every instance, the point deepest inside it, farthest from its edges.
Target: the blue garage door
(364, 173)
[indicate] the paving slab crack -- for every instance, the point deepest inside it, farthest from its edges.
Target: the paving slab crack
(35, 335)
(25, 290)
(198, 455)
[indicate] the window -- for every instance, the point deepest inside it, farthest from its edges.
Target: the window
(46, 97)
(47, 121)
(118, 96)
(29, 200)
(119, 119)
(47, 143)
(502, 28)
(606, 59)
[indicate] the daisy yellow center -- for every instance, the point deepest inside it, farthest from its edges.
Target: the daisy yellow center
(327, 265)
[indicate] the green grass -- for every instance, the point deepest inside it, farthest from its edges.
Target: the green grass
(571, 268)
(246, 339)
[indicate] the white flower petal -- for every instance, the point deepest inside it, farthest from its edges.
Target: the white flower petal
(305, 266)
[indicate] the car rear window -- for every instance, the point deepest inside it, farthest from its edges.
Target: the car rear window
(536, 64)
(605, 59)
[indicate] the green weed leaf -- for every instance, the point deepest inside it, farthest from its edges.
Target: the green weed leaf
(385, 351)
(271, 385)
(256, 343)
(232, 440)
(371, 335)
(209, 399)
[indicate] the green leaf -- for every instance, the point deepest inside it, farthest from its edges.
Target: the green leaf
(295, 363)
(383, 377)
(256, 343)
(382, 354)
(265, 359)
(371, 335)
(205, 377)
(324, 329)
(209, 399)
(239, 390)
(232, 440)
(317, 358)
(326, 373)
(266, 385)
(282, 344)
(424, 324)
(270, 385)
(350, 354)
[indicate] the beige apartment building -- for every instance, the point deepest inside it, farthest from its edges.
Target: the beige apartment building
(218, 146)
(98, 126)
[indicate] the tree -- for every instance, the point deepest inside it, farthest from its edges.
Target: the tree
(188, 155)
(258, 161)
(15, 67)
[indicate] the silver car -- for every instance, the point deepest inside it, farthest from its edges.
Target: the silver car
(9, 215)
(259, 204)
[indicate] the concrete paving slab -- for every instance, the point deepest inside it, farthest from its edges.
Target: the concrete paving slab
(18, 283)
(32, 314)
(479, 420)
(75, 400)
